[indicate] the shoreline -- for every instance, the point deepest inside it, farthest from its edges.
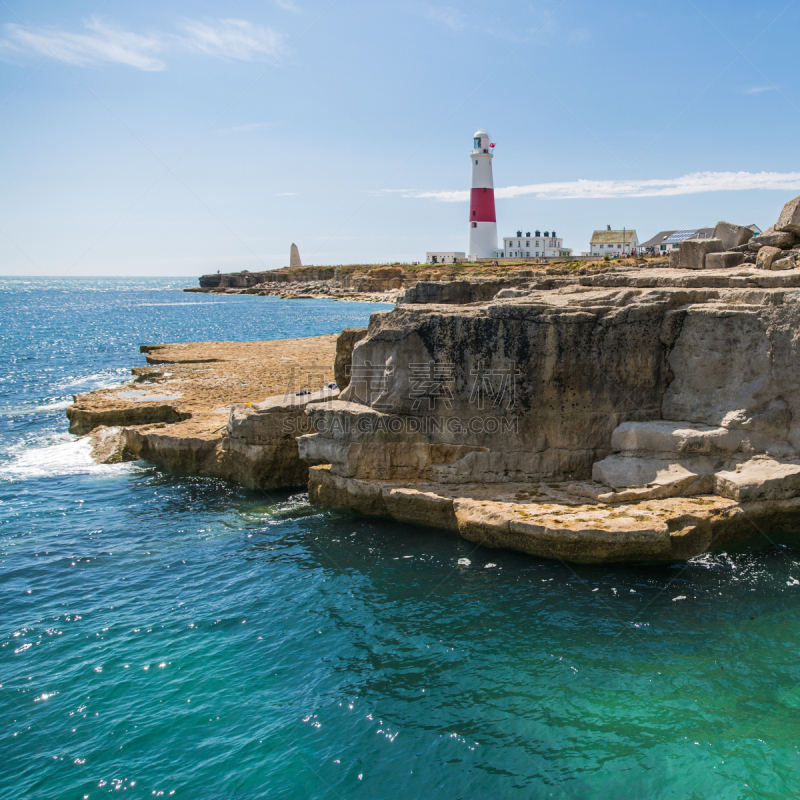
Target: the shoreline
(187, 411)
(196, 409)
(307, 293)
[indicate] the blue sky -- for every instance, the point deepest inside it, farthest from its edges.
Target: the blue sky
(179, 138)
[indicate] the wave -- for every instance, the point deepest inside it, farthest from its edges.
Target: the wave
(185, 303)
(57, 405)
(105, 379)
(63, 455)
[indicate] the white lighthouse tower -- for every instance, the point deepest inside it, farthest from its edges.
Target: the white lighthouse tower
(482, 218)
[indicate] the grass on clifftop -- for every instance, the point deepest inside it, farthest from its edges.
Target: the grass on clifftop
(466, 269)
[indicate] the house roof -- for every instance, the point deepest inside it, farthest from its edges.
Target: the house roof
(613, 237)
(690, 233)
(673, 237)
(658, 239)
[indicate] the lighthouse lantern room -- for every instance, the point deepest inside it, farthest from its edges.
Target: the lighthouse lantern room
(482, 219)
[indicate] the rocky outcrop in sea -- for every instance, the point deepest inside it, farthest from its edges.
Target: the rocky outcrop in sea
(629, 413)
(637, 414)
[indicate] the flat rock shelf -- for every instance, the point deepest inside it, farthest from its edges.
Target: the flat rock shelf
(178, 411)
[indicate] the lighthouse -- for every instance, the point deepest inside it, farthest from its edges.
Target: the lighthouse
(482, 219)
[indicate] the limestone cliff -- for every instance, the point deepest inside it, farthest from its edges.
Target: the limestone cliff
(657, 410)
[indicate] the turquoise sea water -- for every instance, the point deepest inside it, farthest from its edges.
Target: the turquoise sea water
(174, 637)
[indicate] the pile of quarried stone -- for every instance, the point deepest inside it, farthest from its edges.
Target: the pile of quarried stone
(778, 247)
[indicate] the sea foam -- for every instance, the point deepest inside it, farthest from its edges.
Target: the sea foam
(63, 455)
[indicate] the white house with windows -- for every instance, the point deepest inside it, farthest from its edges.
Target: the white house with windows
(538, 245)
(614, 243)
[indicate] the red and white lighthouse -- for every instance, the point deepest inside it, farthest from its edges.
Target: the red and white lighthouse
(482, 219)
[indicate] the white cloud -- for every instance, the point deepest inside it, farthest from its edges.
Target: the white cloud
(97, 43)
(287, 5)
(446, 15)
(695, 183)
(760, 89)
(231, 38)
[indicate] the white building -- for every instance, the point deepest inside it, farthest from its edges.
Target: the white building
(444, 257)
(614, 243)
(546, 245)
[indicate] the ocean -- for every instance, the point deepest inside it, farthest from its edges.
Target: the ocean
(164, 636)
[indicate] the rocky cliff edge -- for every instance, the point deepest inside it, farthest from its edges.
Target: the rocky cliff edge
(635, 414)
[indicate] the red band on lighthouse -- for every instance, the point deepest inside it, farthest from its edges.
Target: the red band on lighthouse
(481, 205)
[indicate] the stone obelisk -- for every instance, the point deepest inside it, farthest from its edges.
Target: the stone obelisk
(294, 257)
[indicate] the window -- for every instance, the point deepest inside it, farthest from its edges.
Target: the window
(527, 255)
(476, 162)
(476, 144)
(474, 224)
(527, 244)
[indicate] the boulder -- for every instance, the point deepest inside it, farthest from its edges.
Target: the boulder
(724, 260)
(109, 445)
(674, 259)
(693, 252)
(788, 262)
(782, 239)
(759, 479)
(667, 476)
(732, 235)
(767, 255)
(789, 220)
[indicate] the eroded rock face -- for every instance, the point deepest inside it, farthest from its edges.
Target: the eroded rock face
(528, 390)
(345, 343)
(533, 388)
(458, 292)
